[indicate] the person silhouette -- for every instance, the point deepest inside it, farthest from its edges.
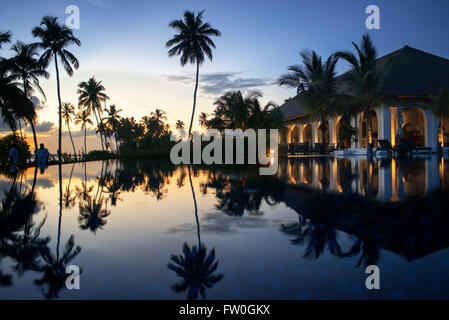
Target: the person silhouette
(13, 157)
(42, 158)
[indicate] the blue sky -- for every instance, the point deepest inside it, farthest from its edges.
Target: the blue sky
(123, 44)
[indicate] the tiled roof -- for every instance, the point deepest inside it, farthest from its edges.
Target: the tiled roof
(413, 72)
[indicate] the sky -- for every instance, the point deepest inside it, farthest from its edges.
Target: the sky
(123, 45)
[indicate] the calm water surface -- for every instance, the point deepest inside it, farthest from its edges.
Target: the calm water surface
(134, 229)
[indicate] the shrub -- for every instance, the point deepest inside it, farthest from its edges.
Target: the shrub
(23, 149)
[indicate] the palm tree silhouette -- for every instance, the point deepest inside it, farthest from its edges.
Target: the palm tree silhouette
(92, 215)
(54, 39)
(192, 43)
(158, 116)
(113, 121)
(68, 200)
(91, 95)
(83, 117)
(195, 266)
(68, 110)
(179, 125)
(364, 79)
(203, 119)
(27, 67)
(316, 85)
(54, 271)
(5, 37)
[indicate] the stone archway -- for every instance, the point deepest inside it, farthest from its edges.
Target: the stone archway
(307, 134)
(343, 134)
(326, 134)
(414, 126)
(293, 134)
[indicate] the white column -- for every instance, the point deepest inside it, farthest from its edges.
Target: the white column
(431, 128)
(300, 135)
(354, 125)
(384, 121)
(393, 125)
(314, 133)
(331, 131)
(385, 183)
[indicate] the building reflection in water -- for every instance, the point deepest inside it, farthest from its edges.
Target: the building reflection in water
(387, 180)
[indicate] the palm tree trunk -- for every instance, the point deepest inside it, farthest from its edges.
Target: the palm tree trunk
(196, 210)
(60, 109)
(20, 128)
(369, 149)
(71, 139)
(194, 96)
(98, 126)
(85, 133)
(25, 91)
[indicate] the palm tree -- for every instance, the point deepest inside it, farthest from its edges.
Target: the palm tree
(83, 117)
(203, 119)
(113, 121)
(54, 39)
(26, 66)
(192, 43)
(235, 109)
(316, 85)
(364, 80)
(13, 102)
(179, 125)
(68, 110)
(440, 109)
(5, 37)
(158, 116)
(91, 95)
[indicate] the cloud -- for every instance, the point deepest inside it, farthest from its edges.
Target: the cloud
(38, 104)
(97, 3)
(45, 126)
(217, 222)
(80, 133)
(4, 128)
(216, 83)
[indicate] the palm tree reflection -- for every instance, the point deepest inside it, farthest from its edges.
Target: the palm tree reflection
(54, 271)
(195, 265)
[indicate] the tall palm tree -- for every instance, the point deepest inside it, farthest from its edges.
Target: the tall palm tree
(316, 85)
(54, 39)
(91, 96)
(113, 121)
(26, 66)
(83, 118)
(440, 109)
(68, 110)
(192, 43)
(364, 80)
